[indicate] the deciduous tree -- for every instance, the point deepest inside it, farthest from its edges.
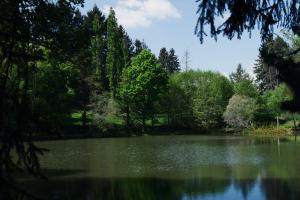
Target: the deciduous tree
(142, 83)
(240, 111)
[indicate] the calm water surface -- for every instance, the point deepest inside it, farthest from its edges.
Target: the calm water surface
(170, 167)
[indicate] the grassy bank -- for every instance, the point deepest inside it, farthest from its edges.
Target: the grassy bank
(115, 127)
(269, 131)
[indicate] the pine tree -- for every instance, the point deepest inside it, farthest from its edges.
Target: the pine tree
(139, 47)
(114, 60)
(267, 76)
(163, 58)
(95, 29)
(127, 46)
(97, 47)
(239, 75)
(173, 62)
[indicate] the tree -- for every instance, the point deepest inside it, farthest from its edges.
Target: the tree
(142, 83)
(45, 109)
(115, 59)
(98, 50)
(85, 54)
(274, 99)
(267, 76)
(179, 99)
(211, 97)
(163, 58)
(168, 60)
(240, 111)
(103, 107)
(83, 84)
(245, 88)
(26, 27)
(288, 70)
(173, 62)
(246, 16)
(139, 47)
(197, 98)
(127, 46)
(239, 75)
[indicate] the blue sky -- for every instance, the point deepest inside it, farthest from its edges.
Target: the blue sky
(171, 23)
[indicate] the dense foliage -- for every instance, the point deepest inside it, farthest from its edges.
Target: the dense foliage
(264, 14)
(246, 16)
(240, 111)
(142, 82)
(198, 98)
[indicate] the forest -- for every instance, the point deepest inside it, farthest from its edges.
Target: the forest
(97, 81)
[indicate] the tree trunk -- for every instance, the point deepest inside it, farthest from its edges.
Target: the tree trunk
(168, 115)
(277, 120)
(144, 121)
(168, 110)
(152, 120)
(294, 120)
(128, 119)
(24, 111)
(84, 117)
(3, 84)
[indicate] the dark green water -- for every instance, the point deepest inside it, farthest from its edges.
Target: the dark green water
(170, 167)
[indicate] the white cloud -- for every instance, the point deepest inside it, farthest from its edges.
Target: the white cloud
(141, 13)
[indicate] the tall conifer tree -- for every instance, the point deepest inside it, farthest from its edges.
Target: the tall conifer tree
(173, 62)
(127, 46)
(97, 46)
(139, 47)
(114, 59)
(163, 58)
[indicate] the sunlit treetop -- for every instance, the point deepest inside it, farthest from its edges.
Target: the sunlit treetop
(246, 15)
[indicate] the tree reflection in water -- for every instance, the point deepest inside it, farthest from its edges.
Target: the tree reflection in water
(164, 189)
(181, 168)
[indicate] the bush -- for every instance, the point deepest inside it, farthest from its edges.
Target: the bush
(240, 111)
(103, 108)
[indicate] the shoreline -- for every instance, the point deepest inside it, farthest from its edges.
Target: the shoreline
(191, 132)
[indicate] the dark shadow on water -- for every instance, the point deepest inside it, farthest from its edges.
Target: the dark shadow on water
(162, 189)
(51, 173)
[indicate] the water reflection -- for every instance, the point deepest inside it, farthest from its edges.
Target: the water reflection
(177, 168)
(164, 189)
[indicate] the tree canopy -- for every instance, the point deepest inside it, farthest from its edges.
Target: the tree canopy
(240, 111)
(142, 82)
(239, 75)
(246, 16)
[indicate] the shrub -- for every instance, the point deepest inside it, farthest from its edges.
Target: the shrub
(240, 111)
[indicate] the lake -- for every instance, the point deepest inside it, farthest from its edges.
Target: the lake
(169, 167)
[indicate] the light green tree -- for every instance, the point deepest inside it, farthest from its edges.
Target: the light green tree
(275, 98)
(142, 82)
(211, 97)
(245, 88)
(240, 111)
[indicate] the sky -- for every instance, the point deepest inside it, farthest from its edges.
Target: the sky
(171, 24)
